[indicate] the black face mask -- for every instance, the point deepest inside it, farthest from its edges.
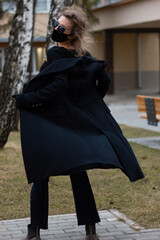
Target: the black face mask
(58, 36)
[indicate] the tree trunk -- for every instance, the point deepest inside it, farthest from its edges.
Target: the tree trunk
(55, 12)
(15, 122)
(16, 62)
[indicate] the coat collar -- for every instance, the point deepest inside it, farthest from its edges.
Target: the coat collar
(63, 64)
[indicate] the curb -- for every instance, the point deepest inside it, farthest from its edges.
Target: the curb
(126, 220)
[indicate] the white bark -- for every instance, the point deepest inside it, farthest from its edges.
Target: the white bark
(16, 62)
(55, 12)
(24, 39)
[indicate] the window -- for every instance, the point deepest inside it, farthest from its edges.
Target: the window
(2, 58)
(37, 58)
(115, 1)
(9, 6)
(40, 54)
(43, 6)
(107, 2)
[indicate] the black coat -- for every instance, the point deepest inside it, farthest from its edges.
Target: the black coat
(65, 125)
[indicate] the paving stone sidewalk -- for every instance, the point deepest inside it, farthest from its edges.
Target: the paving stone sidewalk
(153, 142)
(113, 226)
(123, 106)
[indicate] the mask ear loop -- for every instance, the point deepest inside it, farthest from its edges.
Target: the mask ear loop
(72, 33)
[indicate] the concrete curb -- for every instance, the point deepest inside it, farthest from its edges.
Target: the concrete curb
(152, 142)
(123, 218)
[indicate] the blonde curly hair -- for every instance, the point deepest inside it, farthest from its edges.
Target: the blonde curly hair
(79, 22)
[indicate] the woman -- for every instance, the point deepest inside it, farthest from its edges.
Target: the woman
(66, 128)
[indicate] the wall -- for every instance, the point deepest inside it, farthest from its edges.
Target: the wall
(150, 60)
(97, 49)
(125, 61)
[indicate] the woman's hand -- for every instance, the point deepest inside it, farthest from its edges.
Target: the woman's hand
(14, 96)
(104, 80)
(19, 100)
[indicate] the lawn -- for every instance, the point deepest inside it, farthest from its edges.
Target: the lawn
(132, 132)
(112, 189)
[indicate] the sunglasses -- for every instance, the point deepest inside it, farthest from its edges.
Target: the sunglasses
(55, 24)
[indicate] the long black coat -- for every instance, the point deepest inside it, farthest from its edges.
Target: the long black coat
(66, 126)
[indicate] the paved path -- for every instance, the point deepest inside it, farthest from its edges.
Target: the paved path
(128, 115)
(153, 142)
(123, 107)
(113, 226)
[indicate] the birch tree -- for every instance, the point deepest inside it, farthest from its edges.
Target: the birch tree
(55, 11)
(16, 62)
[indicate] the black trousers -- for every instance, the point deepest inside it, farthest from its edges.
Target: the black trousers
(84, 201)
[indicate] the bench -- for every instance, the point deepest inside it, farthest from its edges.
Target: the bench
(151, 107)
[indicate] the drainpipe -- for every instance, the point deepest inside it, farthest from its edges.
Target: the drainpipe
(139, 60)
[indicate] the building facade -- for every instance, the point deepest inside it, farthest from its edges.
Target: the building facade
(127, 36)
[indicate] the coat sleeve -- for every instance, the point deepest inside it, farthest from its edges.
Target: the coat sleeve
(41, 96)
(104, 80)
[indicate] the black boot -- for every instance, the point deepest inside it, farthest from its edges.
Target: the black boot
(91, 232)
(33, 233)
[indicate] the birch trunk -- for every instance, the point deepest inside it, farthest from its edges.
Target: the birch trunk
(16, 62)
(55, 12)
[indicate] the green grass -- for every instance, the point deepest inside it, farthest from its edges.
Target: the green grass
(132, 132)
(112, 189)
